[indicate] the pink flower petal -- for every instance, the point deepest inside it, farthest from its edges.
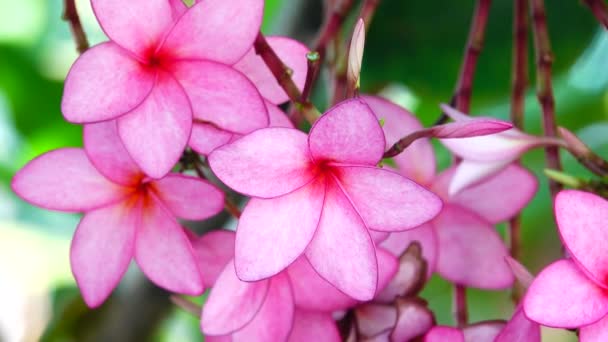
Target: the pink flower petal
(444, 334)
(213, 251)
(105, 82)
(107, 153)
(597, 331)
(313, 326)
(520, 272)
(347, 133)
(164, 253)
(178, 8)
(470, 128)
(519, 329)
(273, 233)
(189, 197)
(374, 319)
(409, 278)
(277, 117)
(388, 265)
(471, 251)
(505, 146)
(267, 163)
(342, 251)
(232, 303)
(102, 249)
(291, 52)
(156, 132)
(471, 172)
(417, 162)
(207, 137)
(217, 30)
(501, 196)
(483, 331)
(355, 53)
(274, 320)
(311, 292)
(414, 319)
(424, 234)
(562, 296)
(213, 89)
(137, 25)
(581, 218)
(65, 180)
(386, 200)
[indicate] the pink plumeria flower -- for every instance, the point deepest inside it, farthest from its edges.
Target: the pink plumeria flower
(461, 243)
(485, 156)
(320, 196)
(206, 136)
(127, 215)
(573, 293)
(294, 305)
(163, 67)
(478, 332)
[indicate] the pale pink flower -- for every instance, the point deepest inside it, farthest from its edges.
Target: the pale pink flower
(461, 243)
(206, 136)
(485, 156)
(320, 196)
(127, 215)
(163, 66)
(478, 332)
(573, 293)
(294, 305)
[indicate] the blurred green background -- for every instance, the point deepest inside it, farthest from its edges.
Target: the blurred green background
(414, 48)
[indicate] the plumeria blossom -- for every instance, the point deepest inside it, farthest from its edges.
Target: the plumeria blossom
(479, 332)
(461, 243)
(207, 136)
(319, 196)
(485, 156)
(127, 214)
(163, 66)
(571, 293)
(294, 305)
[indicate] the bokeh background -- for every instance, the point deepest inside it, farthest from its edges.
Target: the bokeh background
(413, 53)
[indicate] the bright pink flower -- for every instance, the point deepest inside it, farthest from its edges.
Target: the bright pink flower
(461, 243)
(572, 293)
(319, 196)
(294, 305)
(126, 214)
(163, 66)
(478, 332)
(206, 137)
(485, 156)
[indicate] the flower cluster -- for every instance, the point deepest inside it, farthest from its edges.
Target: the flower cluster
(336, 240)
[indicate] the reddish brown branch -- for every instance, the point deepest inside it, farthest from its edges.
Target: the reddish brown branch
(464, 87)
(599, 9)
(282, 73)
(461, 315)
(332, 26)
(314, 63)
(544, 88)
(70, 14)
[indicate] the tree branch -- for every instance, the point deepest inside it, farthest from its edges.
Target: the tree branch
(70, 14)
(598, 7)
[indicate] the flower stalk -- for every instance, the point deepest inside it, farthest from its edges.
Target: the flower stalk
(70, 14)
(599, 9)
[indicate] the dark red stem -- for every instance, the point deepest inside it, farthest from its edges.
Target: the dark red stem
(70, 14)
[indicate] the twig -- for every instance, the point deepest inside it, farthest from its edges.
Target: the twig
(186, 305)
(314, 62)
(283, 75)
(70, 14)
(332, 26)
(231, 208)
(544, 89)
(520, 82)
(598, 7)
(461, 315)
(464, 87)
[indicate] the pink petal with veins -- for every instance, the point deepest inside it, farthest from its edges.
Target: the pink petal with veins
(102, 249)
(65, 180)
(188, 197)
(347, 133)
(291, 52)
(104, 83)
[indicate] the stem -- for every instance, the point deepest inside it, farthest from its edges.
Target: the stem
(186, 305)
(283, 75)
(544, 89)
(367, 11)
(231, 208)
(460, 305)
(598, 7)
(464, 87)
(70, 14)
(314, 62)
(519, 84)
(332, 26)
